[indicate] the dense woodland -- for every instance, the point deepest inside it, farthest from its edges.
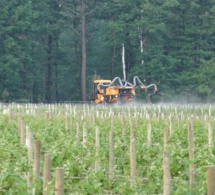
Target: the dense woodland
(52, 49)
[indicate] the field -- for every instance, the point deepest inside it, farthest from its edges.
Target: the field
(142, 149)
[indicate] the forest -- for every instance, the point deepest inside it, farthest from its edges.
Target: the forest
(51, 50)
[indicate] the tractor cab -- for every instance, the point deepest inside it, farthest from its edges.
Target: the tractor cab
(104, 92)
(99, 92)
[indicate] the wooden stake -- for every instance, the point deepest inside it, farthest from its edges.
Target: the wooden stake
(59, 182)
(210, 135)
(166, 137)
(191, 154)
(19, 123)
(209, 112)
(29, 183)
(149, 131)
(22, 133)
(170, 125)
(210, 180)
(84, 134)
(166, 173)
(131, 130)
(111, 155)
(27, 141)
(30, 144)
(97, 149)
(47, 173)
(47, 115)
(37, 149)
(71, 125)
(112, 123)
(132, 158)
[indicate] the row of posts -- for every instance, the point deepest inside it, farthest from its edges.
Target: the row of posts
(34, 156)
(26, 137)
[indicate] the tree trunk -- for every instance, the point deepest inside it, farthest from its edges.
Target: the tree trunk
(123, 62)
(113, 61)
(23, 75)
(56, 83)
(56, 76)
(49, 71)
(83, 43)
(35, 91)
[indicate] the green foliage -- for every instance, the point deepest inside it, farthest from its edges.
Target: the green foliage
(78, 159)
(206, 79)
(177, 39)
(14, 163)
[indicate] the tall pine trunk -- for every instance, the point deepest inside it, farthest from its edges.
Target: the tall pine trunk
(56, 74)
(83, 44)
(49, 71)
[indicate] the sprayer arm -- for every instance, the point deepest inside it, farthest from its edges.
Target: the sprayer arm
(149, 86)
(113, 83)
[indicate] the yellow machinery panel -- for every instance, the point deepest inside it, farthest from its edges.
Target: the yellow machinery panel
(112, 91)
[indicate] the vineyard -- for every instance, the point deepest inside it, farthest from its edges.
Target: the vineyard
(97, 150)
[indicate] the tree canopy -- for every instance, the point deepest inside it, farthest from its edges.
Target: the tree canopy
(167, 42)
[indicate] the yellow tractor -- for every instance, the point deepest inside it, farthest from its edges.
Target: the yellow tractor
(118, 90)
